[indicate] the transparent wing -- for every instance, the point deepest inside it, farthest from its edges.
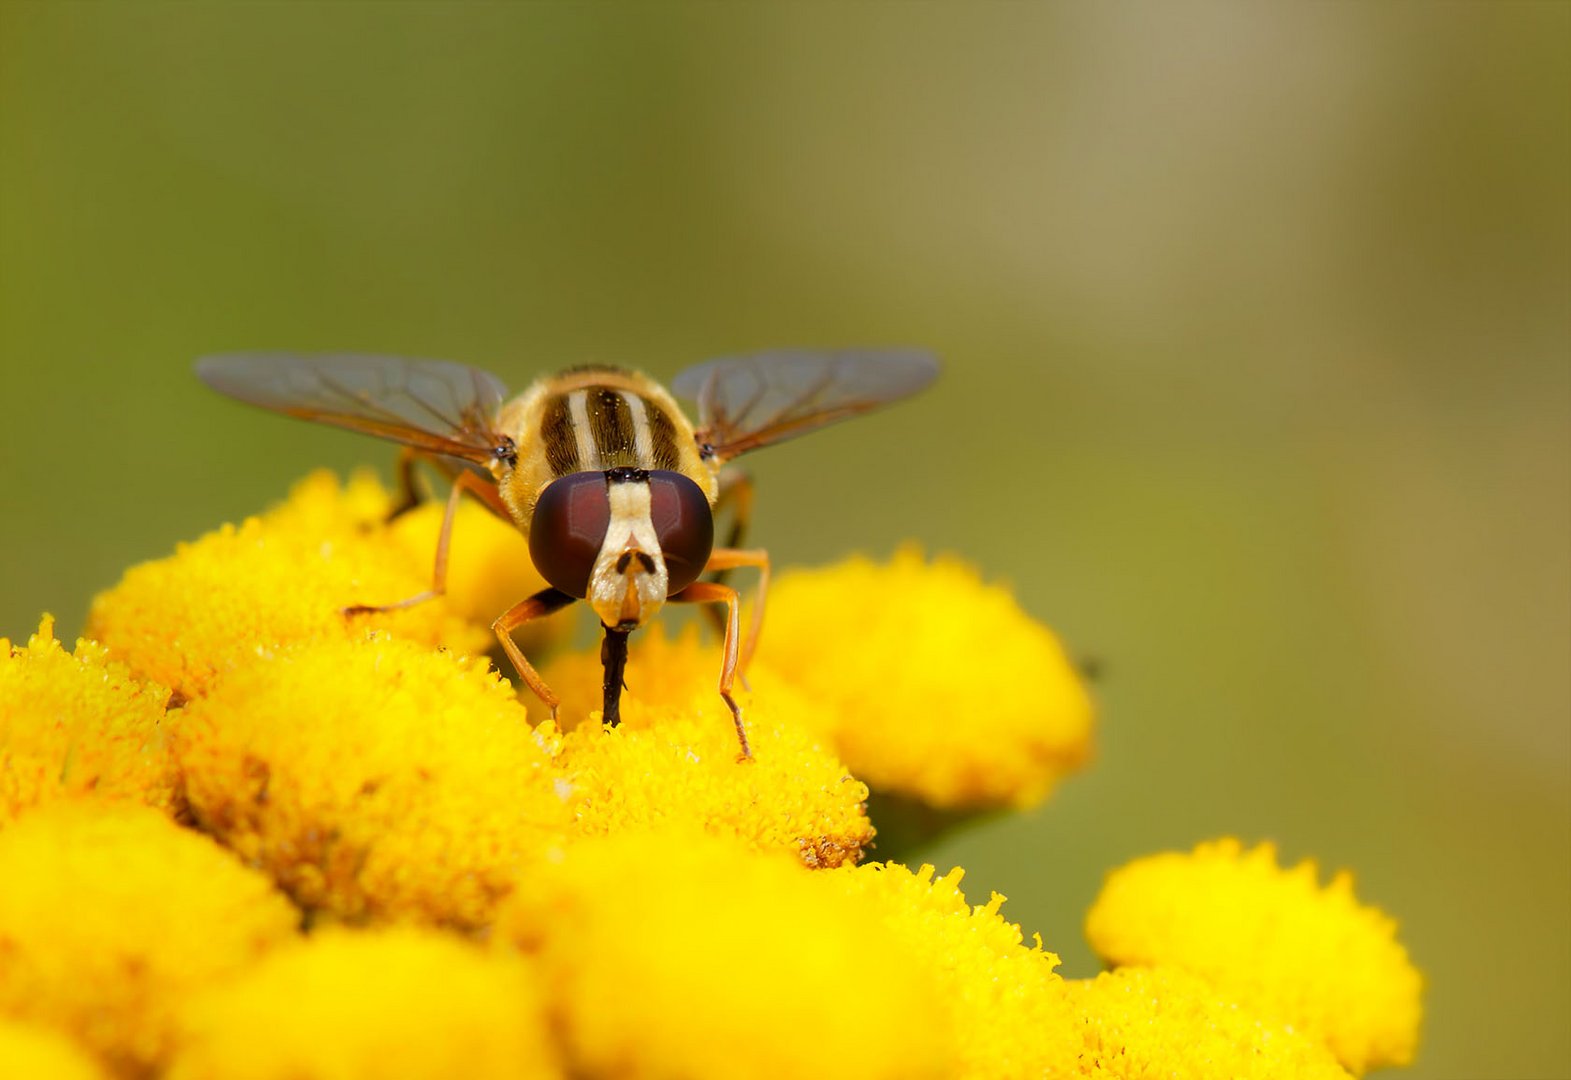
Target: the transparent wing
(746, 402)
(434, 405)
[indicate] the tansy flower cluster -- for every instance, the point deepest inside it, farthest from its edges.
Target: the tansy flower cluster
(245, 834)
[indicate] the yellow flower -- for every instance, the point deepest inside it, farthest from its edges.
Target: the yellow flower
(77, 724)
(374, 779)
(675, 954)
(673, 759)
(931, 684)
(35, 1053)
(655, 907)
(1166, 1024)
(1273, 939)
(110, 915)
(243, 592)
(408, 1003)
(1011, 1008)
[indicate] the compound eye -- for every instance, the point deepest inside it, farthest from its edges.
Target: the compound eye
(684, 524)
(568, 529)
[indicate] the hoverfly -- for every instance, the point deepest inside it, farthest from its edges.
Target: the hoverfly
(615, 489)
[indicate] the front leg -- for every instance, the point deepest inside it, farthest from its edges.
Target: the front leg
(478, 486)
(538, 606)
(707, 592)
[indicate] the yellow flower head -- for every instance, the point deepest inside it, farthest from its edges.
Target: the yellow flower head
(931, 684)
(77, 724)
(243, 592)
(682, 955)
(37, 1053)
(409, 1003)
(1011, 1009)
(110, 915)
(654, 906)
(673, 759)
(1166, 1024)
(374, 779)
(1273, 939)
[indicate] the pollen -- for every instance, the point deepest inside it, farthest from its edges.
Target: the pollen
(931, 684)
(678, 954)
(1274, 939)
(375, 780)
(245, 591)
(109, 916)
(674, 757)
(39, 1053)
(1166, 1024)
(76, 724)
(1003, 994)
(402, 1002)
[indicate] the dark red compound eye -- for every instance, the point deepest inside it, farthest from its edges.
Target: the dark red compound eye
(684, 524)
(568, 529)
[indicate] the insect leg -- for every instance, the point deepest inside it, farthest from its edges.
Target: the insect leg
(465, 481)
(727, 558)
(707, 592)
(538, 606)
(736, 492)
(479, 485)
(484, 488)
(410, 495)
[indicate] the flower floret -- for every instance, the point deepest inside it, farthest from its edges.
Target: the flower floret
(931, 684)
(671, 953)
(75, 724)
(1003, 994)
(111, 914)
(674, 757)
(39, 1053)
(401, 1002)
(245, 591)
(374, 779)
(1274, 939)
(1167, 1024)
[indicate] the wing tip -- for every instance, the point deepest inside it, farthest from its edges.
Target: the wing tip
(218, 370)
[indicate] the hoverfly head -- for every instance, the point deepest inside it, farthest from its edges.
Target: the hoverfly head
(623, 539)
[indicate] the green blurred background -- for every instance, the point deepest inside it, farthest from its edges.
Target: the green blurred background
(1255, 320)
